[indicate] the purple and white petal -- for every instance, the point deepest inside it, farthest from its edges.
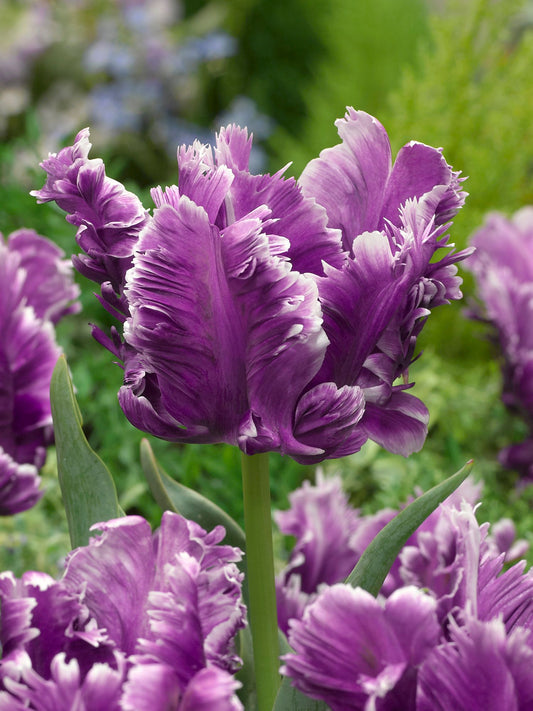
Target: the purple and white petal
(399, 425)
(348, 648)
(47, 285)
(480, 669)
(211, 689)
(108, 217)
(116, 570)
(327, 418)
(349, 179)
(19, 485)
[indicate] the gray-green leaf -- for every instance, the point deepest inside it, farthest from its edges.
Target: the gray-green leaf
(87, 487)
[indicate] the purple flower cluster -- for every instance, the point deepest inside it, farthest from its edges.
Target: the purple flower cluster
(503, 268)
(36, 292)
(451, 629)
(264, 312)
(138, 621)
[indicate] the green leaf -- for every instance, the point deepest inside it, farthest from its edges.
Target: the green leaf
(290, 699)
(87, 487)
(373, 566)
(170, 495)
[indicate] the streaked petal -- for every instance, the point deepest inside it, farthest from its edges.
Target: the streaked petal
(233, 147)
(19, 485)
(358, 302)
(481, 669)
(116, 570)
(282, 320)
(150, 685)
(399, 425)
(211, 690)
(419, 169)
(109, 218)
(298, 219)
(184, 321)
(327, 418)
(48, 284)
(349, 649)
(349, 179)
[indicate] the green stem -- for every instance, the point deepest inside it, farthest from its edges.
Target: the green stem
(260, 576)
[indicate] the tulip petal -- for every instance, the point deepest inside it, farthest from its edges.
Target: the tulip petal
(117, 570)
(358, 302)
(282, 319)
(399, 425)
(327, 418)
(349, 179)
(419, 169)
(184, 321)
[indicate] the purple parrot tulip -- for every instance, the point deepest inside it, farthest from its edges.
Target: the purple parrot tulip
(265, 312)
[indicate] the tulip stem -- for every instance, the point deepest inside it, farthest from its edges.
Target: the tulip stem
(260, 576)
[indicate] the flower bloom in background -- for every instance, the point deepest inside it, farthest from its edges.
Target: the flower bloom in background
(36, 292)
(264, 312)
(448, 627)
(503, 268)
(139, 620)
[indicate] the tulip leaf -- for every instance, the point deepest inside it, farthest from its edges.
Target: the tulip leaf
(170, 495)
(87, 487)
(373, 566)
(290, 699)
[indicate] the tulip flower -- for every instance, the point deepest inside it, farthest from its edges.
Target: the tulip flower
(37, 291)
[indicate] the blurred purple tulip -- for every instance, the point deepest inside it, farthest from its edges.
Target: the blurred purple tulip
(37, 291)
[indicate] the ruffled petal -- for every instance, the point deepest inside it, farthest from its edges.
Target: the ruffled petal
(326, 418)
(419, 169)
(211, 689)
(358, 302)
(349, 179)
(282, 320)
(223, 326)
(69, 689)
(184, 321)
(480, 668)
(233, 148)
(28, 354)
(19, 485)
(48, 285)
(399, 425)
(323, 523)
(349, 649)
(116, 570)
(300, 220)
(109, 218)
(150, 685)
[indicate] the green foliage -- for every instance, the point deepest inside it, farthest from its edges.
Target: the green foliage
(470, 92)
(365, 46)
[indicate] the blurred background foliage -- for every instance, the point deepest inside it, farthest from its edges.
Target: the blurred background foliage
(147, 75)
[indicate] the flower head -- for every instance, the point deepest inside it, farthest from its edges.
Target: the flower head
(255, 309)
(503, 268)
(351, 649)
(136, 617)
(37, 291)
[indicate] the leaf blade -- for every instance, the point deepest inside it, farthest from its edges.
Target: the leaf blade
(87, 487)
(377, 559)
